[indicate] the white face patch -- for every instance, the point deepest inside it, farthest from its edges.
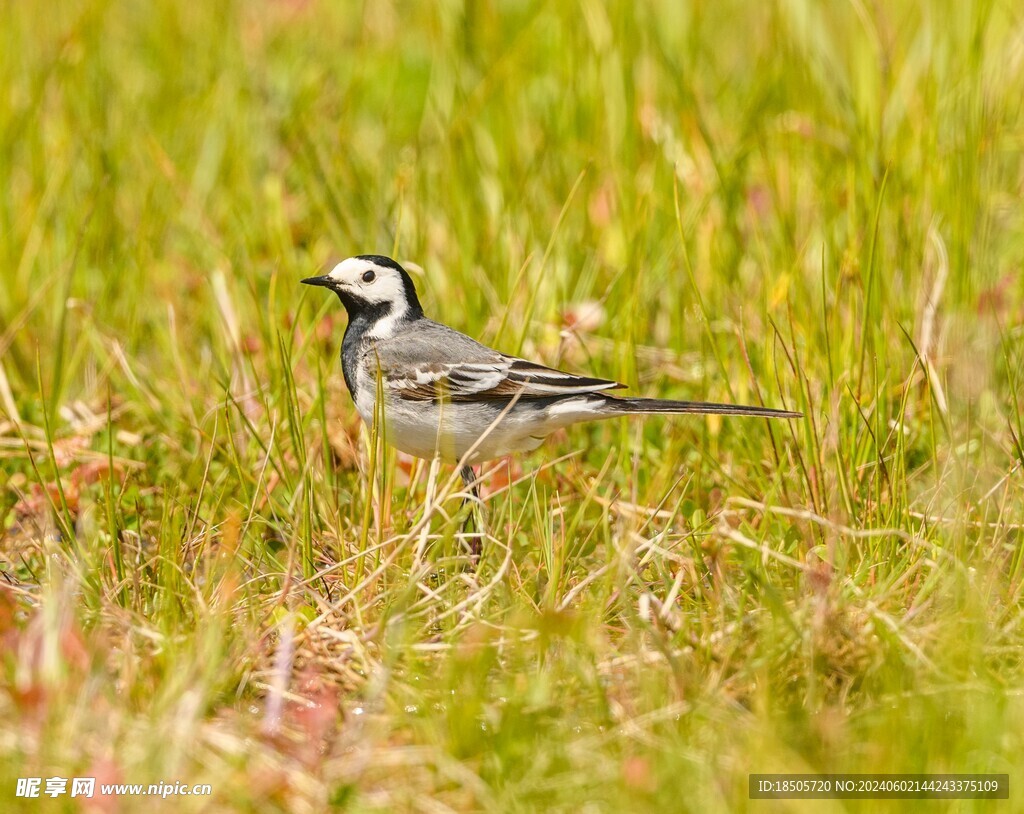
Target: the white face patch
(372, 283)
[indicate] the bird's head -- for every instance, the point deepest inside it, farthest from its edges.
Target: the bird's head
(373, 287)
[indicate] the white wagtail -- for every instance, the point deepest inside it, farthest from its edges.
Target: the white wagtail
(448, 396)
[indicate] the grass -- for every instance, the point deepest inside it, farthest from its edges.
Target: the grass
(212, 574)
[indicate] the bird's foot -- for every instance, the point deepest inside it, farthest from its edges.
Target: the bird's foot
(472, 531)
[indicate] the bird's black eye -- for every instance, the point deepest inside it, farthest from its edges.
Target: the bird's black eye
(369, 276)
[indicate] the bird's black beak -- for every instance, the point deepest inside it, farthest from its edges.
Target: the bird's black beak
(324, 280)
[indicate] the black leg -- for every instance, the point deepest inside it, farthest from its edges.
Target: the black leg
(469, 479)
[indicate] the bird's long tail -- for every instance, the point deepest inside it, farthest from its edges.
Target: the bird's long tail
(667, 406)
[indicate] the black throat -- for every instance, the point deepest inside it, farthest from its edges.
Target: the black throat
(361, 319)
(363, 315)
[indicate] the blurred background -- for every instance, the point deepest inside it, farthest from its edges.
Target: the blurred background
(212, 575)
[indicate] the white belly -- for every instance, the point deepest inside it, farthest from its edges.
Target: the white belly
(448, 430)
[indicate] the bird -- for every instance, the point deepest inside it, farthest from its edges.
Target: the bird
(448, 396)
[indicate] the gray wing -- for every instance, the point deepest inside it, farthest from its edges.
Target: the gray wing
(435, 362)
